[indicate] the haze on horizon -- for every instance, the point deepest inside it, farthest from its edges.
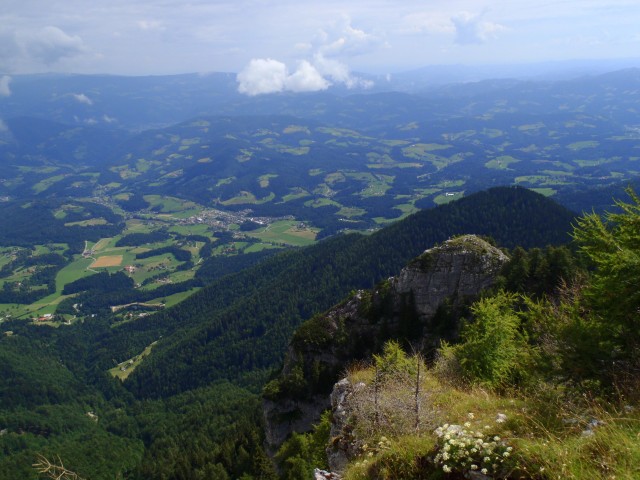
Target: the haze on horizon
(285, 45)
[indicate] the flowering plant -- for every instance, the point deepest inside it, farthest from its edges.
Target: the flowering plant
(462, 449)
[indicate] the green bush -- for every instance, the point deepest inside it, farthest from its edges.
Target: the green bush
(393, 361)
(494, 351)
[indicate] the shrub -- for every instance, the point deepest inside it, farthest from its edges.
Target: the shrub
(494, 351)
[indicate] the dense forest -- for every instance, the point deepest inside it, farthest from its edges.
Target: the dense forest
(542, 382)
(166, 243)
(215, 350)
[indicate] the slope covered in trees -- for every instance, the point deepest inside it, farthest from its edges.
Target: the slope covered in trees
(239, 326)
(541, 384)
(230, 336)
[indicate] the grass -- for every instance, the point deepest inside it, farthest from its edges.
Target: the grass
(551, 435)
(420, 150)
(258, 247)
(176, 298)
(296, 129)
(87, 223)
(321, 202)
(46, 183)
(406, 209)
(296, 193)
(577, 146)
(286, 232)
(126, 368)
(501, 163)
(75, 270)
(546, 191)
(170, 204)
(350, 212)
(263, 180)
(240, 199)
(447, 197)
(196, 229)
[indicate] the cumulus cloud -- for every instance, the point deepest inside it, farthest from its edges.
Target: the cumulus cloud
(262, 75)
(306, 79)
(339, 72)
(343, 40)
(108, 119)
(473, 29)
(82, 98)
(271, 76)
(323, 67)
(5, 91)
(50, 44)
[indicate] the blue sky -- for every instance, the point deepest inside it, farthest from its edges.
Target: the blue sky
(306, 44)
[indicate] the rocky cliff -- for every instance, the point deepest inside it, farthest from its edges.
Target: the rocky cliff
(422, 305)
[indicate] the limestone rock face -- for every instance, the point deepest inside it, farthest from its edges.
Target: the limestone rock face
(453, 272)
(460, 268)
(410, 306)
(341, 450)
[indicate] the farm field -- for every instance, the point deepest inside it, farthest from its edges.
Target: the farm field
(286, 232)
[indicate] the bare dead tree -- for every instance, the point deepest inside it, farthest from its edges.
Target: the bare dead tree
(54, 470)
(416, 395)
(376, 387)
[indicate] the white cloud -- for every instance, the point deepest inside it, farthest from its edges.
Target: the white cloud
(3, 126)
(306, 79)
(343, 40)
(472, 29)
(109, 119)
(271, 76)
(50, 44)
(323, 67)
(262, 76)
(5, 91)
(82, 98)
(339, 72)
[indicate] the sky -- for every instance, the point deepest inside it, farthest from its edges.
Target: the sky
(305, 45)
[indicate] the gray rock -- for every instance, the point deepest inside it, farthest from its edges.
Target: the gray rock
(454, 272)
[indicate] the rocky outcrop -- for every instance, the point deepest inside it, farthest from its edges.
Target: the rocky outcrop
(422, 305)
(341, 450)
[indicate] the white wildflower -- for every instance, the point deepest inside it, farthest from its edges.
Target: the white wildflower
(501, 418)
(484, 471)
(446, 469)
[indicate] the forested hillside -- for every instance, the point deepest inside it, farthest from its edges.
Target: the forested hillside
(215, 350)
(541, 384)
(242, 323)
